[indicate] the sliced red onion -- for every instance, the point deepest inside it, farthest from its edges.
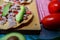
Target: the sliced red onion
(3, 21)
(11, 22)
(25, 17)
(0, 15)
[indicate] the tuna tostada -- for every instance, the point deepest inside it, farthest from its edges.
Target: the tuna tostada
(12, 15)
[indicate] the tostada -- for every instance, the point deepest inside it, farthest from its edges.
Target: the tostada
(12, 15)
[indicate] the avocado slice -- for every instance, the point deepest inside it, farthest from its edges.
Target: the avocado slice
(13, 36)
(6, 9)
(20, 15)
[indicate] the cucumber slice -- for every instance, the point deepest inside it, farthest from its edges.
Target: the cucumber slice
(6, 9)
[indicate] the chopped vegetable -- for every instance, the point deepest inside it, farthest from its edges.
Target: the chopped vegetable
(0, 12)
(25, 17)
(20, 15)
(28, 12)
(15, 12)
(6, 9)
(0, 7)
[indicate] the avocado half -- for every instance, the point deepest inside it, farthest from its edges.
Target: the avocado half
(15, 35)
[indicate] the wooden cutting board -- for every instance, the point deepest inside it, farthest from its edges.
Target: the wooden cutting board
(1, 2)
(33, 24)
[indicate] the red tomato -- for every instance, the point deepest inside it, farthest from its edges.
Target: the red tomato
(54, 7)
(28, 12)
(15, 12)
(52, 21)
(0, 12)
(54, 0)
(0, 7)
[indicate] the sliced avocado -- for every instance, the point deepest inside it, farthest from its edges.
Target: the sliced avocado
(6, 9)
(20, 15)
(13, 36)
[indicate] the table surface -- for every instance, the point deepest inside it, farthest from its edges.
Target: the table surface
(44, 34)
